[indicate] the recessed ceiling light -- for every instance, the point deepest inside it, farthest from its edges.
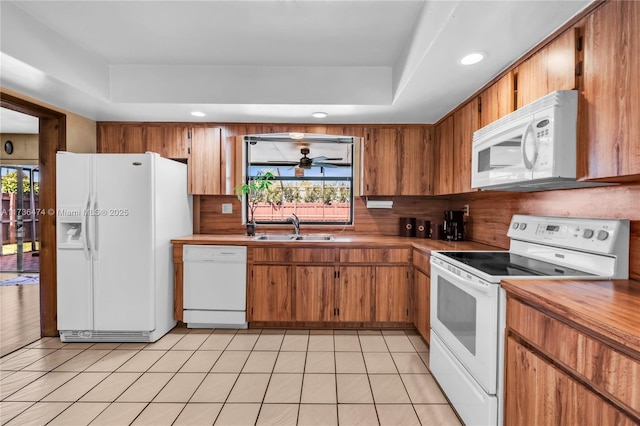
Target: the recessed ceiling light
(198, 114)
(296, 135)
(472, 58)
(319, 114)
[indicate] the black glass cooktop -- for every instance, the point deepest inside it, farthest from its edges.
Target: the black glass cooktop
(503, 263)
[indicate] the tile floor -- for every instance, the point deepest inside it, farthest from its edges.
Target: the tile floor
(226, 377)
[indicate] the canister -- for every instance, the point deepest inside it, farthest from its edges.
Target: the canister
(407, 227)
(423, 228)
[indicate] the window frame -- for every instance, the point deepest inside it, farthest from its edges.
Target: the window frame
(350, 180)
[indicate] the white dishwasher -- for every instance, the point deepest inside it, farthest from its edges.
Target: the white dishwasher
(215, 286)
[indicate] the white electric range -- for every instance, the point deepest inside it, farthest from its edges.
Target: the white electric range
(468, 305)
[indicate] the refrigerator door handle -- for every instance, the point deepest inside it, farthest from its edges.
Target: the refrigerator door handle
(96, 215)
(86, 247)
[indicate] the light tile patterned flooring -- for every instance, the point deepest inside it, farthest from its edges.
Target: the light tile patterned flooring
(226, 377)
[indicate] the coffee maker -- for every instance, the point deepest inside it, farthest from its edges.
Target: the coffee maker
(454, 225)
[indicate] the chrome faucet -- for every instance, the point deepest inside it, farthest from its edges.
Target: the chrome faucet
(296, 223)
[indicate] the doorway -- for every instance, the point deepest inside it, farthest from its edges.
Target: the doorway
(51, 138)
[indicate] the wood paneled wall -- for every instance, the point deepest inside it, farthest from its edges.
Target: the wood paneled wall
(491, 212)
(366, 221)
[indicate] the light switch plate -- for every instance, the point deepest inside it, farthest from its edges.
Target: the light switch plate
(227, 208)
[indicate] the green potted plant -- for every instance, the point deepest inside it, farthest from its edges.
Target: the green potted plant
(252, 189)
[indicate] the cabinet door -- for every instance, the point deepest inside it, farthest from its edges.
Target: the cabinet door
(610, 127)
(355, 290)
(116, 138)
(551, 68)
(205, 162)
(497, 100)
(537, 393)
(421, 298)
(416, 162)
(167, 140)
(392, 293)
(380, 161)
(270, 293)
(465, 121)
(443, 148)
(314, 290)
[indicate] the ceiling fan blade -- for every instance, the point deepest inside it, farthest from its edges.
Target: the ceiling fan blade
(324, 165)
(284, 163)
(322, 158)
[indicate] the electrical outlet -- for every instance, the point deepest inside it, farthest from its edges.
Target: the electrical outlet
(227, 208)
(465, 209)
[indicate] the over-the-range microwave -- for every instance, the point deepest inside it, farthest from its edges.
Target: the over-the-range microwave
(531, 149)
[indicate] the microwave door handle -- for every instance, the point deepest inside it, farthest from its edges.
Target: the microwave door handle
(529, 163)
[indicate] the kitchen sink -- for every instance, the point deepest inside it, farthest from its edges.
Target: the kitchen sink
(274, 237)
(316, 237)
(293, 237)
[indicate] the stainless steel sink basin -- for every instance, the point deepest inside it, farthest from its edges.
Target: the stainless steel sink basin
(274, 237)
(293, 237)
(315, 238)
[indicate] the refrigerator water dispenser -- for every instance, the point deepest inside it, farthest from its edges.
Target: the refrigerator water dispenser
(70, 235)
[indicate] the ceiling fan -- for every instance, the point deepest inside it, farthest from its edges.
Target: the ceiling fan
(307, 163)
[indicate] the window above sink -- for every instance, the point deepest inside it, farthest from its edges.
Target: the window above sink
(313, 177)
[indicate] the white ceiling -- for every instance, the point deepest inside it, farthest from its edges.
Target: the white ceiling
(16, 122)
(265, 61)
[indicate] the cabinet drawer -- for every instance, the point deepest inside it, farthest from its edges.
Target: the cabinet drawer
(611, 372)
(278, 255)
(374, 255)
(292, 254)
(314, 255)
(421, 261)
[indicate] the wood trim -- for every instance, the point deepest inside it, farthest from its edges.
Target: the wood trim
(52, 138)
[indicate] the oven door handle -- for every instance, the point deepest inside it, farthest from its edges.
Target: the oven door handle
(461, 282)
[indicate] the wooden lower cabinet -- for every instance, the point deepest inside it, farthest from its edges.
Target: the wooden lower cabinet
(314, 293)
(354, 293)
(559, 374)
(330, 286)
(538, 393)
(270, 292)
(421, 300)
(392, 285)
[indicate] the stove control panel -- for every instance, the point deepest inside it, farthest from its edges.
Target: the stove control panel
(594, 235)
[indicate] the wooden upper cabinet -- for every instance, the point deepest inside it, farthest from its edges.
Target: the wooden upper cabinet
(205, 164)
(120, 138)
(415, 176)
(551, 68)
(167, 140)
(397, 161)
(381, 161)
(497, 100)
(443, 157)
(466, 121)
(610, 127)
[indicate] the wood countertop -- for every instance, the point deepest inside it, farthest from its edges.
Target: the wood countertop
(610, 308)
(341, 240)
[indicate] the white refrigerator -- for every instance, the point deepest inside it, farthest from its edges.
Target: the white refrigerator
(116, 216)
